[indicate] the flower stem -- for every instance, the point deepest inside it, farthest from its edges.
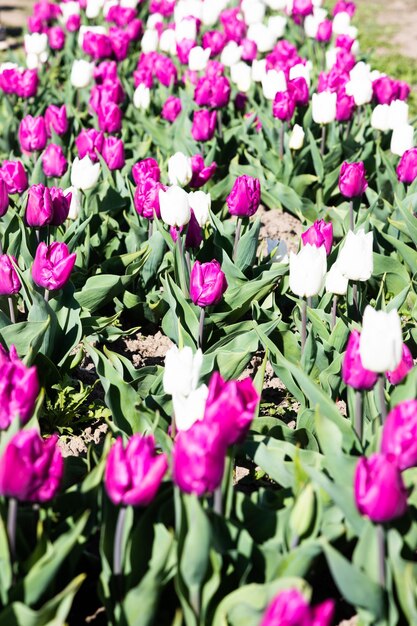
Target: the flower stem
(351, 216)
(237, 237)
(201, 327)
(11, 310)
(382, 402)
(323, 140)
(380, 533)
(46, 295)
(118, 539)
(11, 527)
(358, 414)
(303, 324)
(150, 229)
(281, 140)
(182, 267)
(218, 501)
(334, 312)
(355, 297)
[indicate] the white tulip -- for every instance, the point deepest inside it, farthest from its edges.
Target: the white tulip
(68, 9)
(296, 141)
(81, 73)
(174, 206)
(75, 205)
(167, 42)
(36, 43)
(273, 83)
(258, 70)
(93, 9)
(336, 282)
(128, 4)
(253, 11)
(180, 170)
(360, 70)
(189, 409)
(84, 173)
(186, 29)
(341, 23)
(278, 249)
(153, 20)
(361, 90)
(198, 58)
(263, 36)
(324, 107)
(231, 54)
(355, 259)
(380, 117)
(149, 41)
(301, 70)
(398, 113)
(402, 139)
(182, 370)
(311, 26)
(188, 8)
(241, 75)
(212, 10)
(331, 57)
(200, 203)
(308, 270)
(277, 25)
(142, 97)
(381, 343)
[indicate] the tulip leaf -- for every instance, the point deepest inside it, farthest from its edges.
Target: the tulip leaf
(316, 156)
(248, 244)
(25, 335)
(101, 289)
(195, 551)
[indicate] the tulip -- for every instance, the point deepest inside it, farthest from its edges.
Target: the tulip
(56, 38)
(402, 139)
(335, 282)
(407, 167)
(182, 370)
(147, 168)
(296, 141)
(200, 203)
(31, 468)
(179, 169)
(19, 388)
(198, 458)
(380, 117)
(353, 372)
(345, 106)
(272, 83)
(207, 283)
(39, 209)
(75, 202)
(134, 474)
(250, 50)
(241, 76)
(352, 181)
(60, 206)
(174, 206)
(324, 107)
(52, 265)
(54, 163)
(113, 153)
(89, 142)
(109, 118)
(197, 59)
(319, 234)
(403, 368)
(399, 435)
(232, 406)
(146, 199)
(32, 134)
(56, 120)
(380, 493)
(81, 74)
(398, 114)
(84, 173)
(4, 197)
(231, 54)
(171, 109)
(381, 344)
(290, 608)
(284, 104)
(204, 125)
(245, 196)
(201, 172)
(14, 175)
(308, 271)
(9, 280)
(142, 97)
(189, 409)
(355, 259)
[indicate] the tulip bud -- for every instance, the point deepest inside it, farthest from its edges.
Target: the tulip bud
(296, 138)
(380, 117)
(319, 234)
(402, 139)
(204, 125)
(60, 206)
(32, 134)
(231, 54)
(4, 197)
(56, 120)
(52, 265)
(398, 114)
(89, 142)
(353, 372)
(81, 74)
(407, 167)
(324, 107)
(290, 607)
(284, 104)
(113, 153)
(355, 259)
(197, 59)
(147, 168)
(380, 493)
(207, 283)
(182, 370)
(179, 169)
(146, 199)
(245, 196)
(352, 181)
(19, 388)
(54, 163)
(174, 206)
(381, 344)
(142, 97)
(272, 83)
(399, 435)
(109, 117)
(134, 474)
(14, 175)
(9, 280)
(75, 202)
(200, 202)
(335, 282)
(39, 209)
(189, 409)
(403, 368)
(84, 173)
(31, 468)
(171, 109)
(308, 271)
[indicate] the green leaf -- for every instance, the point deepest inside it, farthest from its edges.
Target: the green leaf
(195, 550)
(247, 247)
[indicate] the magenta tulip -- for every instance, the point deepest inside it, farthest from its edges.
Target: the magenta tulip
(110, 118)
(352, 181)
(407, 167)
(113, 153)
(147, 168)
(14, 175)
(207, 283)
(171, 109)
(89, 142)
(31, 468)
(9, 280)
(39, 209)
(146, 199)
(284, 104)
(399, 435)
(290, 608)
(319, 234)
(4, 197)
(245, 197)
(134, 473)
(19, 388)
(32, 134)
(56, 119)
(201, 172)
(403, 368)
(56, 38)
(353, 372)
(54, 163)
(53, 265)
(204, 125)
(60, 206)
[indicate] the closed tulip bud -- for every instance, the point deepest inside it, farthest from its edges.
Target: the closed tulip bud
(245, 196)
(14, 175)
(142, 97)
(352, 180)
(360, 89)
(407, 167)
(198, 458)
(39, 209)
(60, 206)
(290, 607)
(197, 59)
(399, 435)
(75, 202)
(171, 109)
(403, 368)
(398, 114)
(84, 173)
(109, 117)
(335, 282)
(32, 134)
(31, 468)
(241, 76)
(296, 141)
(4, 197)
(231, 54)
(179, 169)
(9, 280)
(189, 409)
(380, 117)
(81, 74)
(355, 260)
(324, 107)
(284, 104)
(380, 493)
(146, 168)
(52, 265)
(89, 142)
(174, 206)
(56, 38)
(353, 372)
(272, 83)
(56, 120)
(319, 234)
(381, 344)
(113, 153)
(207, 283)
(146, 199)
(308, 270)
(204, 125)
(402, 139)
(134, 473)
(182, 370)
(54, 163)
(19, 388)
(200, 202)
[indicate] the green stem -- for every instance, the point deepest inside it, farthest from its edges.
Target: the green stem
(323, 140)
(334, 312)
(358, 414)
(218, 500)
(118, 541)
(11, 527)
(182, 266)
(237, 237)
(351, 216)
(380, 533)
(281, 140)
(11, 310)
(303, 324)
(382, 402)
(201, 327)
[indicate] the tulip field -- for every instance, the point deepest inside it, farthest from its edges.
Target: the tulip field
(260, 467)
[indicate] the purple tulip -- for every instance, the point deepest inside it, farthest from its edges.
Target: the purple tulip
(403, 368)
(319, 234)
(399, 435)
(204, 125)
(344, 6)
(32, 134)
(300, 90)
(407, 167)
(171, 109)
(207, 283)
(134, 474)
(194, 235)
(245, 197)
(73, 23)
(147, 168)
(146, 198)
(250, 50)
(113, 153)
(56, 38)
(54, 163)
(231, 405)
(385, 90)
(14, 175)
(39, 209)
(380, 493)
(165, 70)
(52, 265)
(284, 104)
(120, 42)
(353, 372)
(110, 118)
(89, 142)
(324, 31)
(184, 48)
(345, 106)
(198, 458)
(215, 40)
(352, 181)
(31, 468)
(201, 172)
(9, 280)
(212, 91)
(290, 608)
(4, 197)
(97, 45)
(19, 388)
(60, 206)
